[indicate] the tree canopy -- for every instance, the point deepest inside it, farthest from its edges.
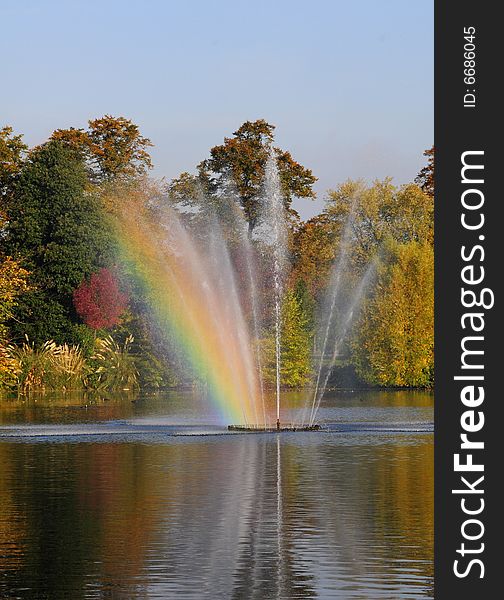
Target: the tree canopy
(296, 337)
(13, 283)
(112, 147)
(315, 244)
(242, 158)
(379, 211)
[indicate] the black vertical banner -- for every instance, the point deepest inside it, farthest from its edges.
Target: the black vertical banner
(469, 433)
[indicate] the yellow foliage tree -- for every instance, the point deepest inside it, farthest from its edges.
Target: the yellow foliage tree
(394, 341)
(13, 282)
(379, 212)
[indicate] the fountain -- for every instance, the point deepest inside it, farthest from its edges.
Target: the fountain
(272, 233)
(198, 273)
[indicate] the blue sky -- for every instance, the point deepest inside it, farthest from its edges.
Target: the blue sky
(349, 84)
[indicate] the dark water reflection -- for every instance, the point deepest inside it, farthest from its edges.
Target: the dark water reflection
(305, 515)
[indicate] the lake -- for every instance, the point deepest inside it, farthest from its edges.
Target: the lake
(150, 497)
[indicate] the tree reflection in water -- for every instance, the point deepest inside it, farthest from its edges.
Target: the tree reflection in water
(246, 516)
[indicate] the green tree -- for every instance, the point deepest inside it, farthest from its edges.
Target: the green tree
(295, 348)
(306, 304)
(243, 158)
(394, 340)
(112, 147)
(59, 230)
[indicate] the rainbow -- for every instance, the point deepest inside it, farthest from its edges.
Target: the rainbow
(193, 298)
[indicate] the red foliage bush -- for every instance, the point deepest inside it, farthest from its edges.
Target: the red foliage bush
(99, 302)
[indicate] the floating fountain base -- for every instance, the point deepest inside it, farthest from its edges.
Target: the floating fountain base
(272, 429)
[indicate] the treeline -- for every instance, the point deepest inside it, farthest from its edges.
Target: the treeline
(62, 288)
(392, 341)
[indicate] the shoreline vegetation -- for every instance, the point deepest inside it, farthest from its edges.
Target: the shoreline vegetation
(72, 318)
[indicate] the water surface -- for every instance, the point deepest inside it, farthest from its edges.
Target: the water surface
(151, 498)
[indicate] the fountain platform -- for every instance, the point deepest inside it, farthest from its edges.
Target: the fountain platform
(272, 429)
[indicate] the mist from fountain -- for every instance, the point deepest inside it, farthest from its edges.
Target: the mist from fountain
(273, 232)
(329, 305)
(195, 297)
(343, 299)
(340, 332)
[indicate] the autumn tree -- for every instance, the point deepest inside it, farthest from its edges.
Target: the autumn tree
(425, 179)
(111, 146)
(13, 283)
(242, 158)
(314, 248)
(379, 211)
(12, 154)
(394, 340)
(58, 229)
(397, 225)
(99, 301)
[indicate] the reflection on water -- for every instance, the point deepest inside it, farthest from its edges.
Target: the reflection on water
(305, 515)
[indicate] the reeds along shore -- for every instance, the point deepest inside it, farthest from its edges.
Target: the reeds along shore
(51, 366)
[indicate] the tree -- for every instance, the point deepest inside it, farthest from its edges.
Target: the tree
(99, 302)
(377, 212)
(12, 154)
(295, 348)
(394, 343)
(425, 179)
(314, 247)
(296, 342)
(243, 159)
(60, 231)
(13, 283)
(306, 304)
(411, 216)
(112, 147)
